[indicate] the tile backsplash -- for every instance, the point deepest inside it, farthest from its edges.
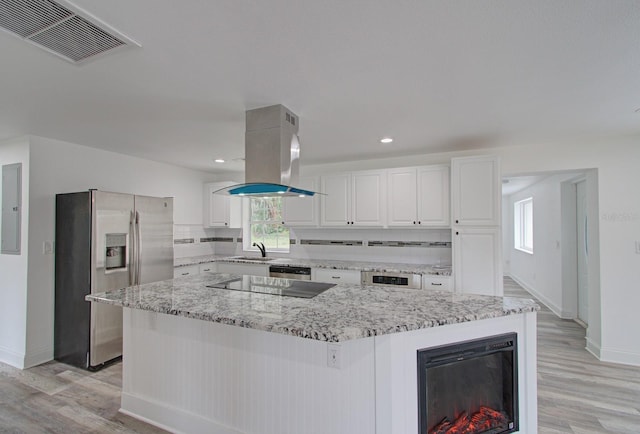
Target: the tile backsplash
(421, 246)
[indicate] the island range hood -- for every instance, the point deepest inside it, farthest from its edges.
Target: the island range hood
(272, 155)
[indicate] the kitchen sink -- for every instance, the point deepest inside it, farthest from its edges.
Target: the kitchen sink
(252, 258)
(274, 286)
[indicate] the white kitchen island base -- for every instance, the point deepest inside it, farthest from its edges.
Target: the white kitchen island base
(194, 376)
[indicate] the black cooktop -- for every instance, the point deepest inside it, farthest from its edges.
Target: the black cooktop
(274, 286)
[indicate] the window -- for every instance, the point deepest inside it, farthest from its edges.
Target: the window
(523, 225)
(265, 224)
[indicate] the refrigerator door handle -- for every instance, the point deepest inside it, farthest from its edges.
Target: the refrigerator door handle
(138, 248)
(132, 250)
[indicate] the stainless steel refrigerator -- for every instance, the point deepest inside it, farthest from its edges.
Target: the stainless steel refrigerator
(104, 241)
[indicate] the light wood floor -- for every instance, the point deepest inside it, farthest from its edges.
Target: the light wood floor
(576, 393)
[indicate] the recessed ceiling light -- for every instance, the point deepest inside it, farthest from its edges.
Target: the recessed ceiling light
(219, 160)
(386, 140)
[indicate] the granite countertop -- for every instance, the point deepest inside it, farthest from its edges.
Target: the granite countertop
(341, 313)
(321, 263)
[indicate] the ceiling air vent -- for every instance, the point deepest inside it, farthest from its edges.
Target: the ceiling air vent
(60, 28)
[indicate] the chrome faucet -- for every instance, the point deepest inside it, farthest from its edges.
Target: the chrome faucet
(263, 250)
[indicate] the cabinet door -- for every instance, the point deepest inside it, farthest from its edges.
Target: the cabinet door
(221, 211)
(335, 207)
(433, 196)
(302, 211)
(475, 187)
(368, 193)
(218, 209)
(477, 264)
(402, 207)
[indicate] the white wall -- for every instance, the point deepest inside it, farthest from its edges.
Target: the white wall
(60, 167)
(13, 268)
(614, 210)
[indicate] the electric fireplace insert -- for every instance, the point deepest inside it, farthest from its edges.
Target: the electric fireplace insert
(469, 387)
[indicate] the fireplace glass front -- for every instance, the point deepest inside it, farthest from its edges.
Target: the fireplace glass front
(469, 387)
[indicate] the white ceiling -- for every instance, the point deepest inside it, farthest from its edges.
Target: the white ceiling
(434, 75)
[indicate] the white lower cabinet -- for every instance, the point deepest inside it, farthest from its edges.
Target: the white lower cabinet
(439, 283)
(335, 276)
(477, 263)
(238, 268)
(210, 267)
(188, 270)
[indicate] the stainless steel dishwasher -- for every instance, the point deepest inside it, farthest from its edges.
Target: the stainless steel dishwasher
(290, 272)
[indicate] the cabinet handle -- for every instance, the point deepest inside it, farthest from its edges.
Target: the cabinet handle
(457, 233)
(436, 284)
(414, 223)
(456, 221)
(185, 274)
(207, 269)
(335, 277)
(282, 222)
(225, 223)
(419, 223)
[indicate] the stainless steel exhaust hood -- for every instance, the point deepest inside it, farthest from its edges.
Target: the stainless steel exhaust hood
(272, 154)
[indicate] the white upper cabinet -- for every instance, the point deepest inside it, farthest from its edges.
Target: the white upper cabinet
(221, 211)
(368, 194)
(475, 191)
(434, 197)
(302, 211)
(353, 199)
(336, 204)
(402, 193)
(418, 196)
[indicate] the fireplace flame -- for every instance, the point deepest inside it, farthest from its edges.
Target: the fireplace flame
(483, 420)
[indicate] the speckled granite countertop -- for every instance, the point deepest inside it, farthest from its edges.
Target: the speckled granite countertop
(321, 263)
(341, 313)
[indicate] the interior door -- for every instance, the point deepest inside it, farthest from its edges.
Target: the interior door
(582, 226)
(155, 238)
(111, 269)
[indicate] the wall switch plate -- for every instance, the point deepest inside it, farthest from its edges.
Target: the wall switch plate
(333, 356)
(47, 248)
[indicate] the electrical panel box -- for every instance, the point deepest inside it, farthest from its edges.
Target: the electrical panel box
(11, 208)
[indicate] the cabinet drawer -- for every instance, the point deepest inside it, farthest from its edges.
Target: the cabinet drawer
(188, 270)
(440, 283)
(210, 267)
(335, 276)
(238, 268)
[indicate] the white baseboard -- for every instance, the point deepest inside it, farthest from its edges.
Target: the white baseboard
(619, 356)
(594, 348)
(38, 357)
(12, 358)
(170, 418)
(543, 299)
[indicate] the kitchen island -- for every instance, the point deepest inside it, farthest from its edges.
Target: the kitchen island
(200, 359)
